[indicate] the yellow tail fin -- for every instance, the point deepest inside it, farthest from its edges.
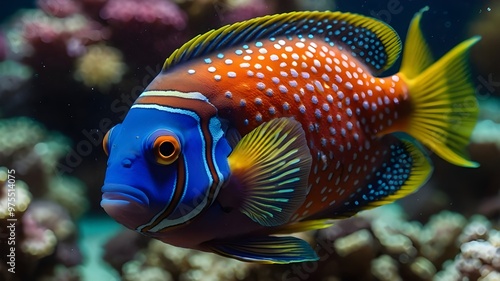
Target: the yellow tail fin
(444, 106)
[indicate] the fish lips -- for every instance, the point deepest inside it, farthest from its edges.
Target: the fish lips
(126, 204)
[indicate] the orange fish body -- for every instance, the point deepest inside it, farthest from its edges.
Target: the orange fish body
(309, 129)
(339, 103)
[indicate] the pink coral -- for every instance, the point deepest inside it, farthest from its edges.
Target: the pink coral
(47, 225)
(59, 8)
(38, 240)
(148, 11)
(52, 43)
(146, 31)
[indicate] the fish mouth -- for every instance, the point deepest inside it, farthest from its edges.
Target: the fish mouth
(126, 204)
(110, 191)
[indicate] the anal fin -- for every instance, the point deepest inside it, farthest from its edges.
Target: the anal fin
(405, 169)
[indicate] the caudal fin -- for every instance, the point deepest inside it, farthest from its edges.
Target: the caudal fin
(445, 109)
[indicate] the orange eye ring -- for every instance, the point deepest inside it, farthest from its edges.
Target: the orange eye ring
(166, 149)
(105, 143)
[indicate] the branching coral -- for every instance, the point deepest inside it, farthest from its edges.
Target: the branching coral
(479, 257)
(3, 47)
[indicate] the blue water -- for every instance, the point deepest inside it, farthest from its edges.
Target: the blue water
(94, 232)
(7, 8)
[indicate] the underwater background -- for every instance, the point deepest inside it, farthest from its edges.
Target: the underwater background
(69, 71)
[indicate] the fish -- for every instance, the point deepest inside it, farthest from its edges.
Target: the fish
(283, 124)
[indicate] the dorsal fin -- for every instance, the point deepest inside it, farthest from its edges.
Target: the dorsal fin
(370, 40)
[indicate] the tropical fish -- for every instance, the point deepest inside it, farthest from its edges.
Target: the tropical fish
(279, 124)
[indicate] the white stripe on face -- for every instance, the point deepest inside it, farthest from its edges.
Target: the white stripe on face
(167, 223)
(213, 131)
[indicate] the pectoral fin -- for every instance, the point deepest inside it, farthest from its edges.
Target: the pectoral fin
(267, 249)
(272, 165)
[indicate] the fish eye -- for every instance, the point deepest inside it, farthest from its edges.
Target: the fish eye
(166, 149)
(105, 143)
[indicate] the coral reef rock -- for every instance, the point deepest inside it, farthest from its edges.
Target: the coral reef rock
(38, 207)
(375, 245)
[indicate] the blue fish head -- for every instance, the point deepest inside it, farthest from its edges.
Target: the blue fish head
(166, 165)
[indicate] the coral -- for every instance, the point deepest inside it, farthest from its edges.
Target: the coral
(123, 247)
(53, 217)
(59, 8)
(69, 192)
(374, 245)
(385, 268)
(155, 27)
(50, 44)
(33, 152)
(101, 66)
(62, 273)
(38, 241)
(62, 55)
(134, 271)
(12, 76)
(44, 225)
(159, 261)
(45, 235)
(55, 221)
(27, 147)
(479, 257)
(188, 265)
